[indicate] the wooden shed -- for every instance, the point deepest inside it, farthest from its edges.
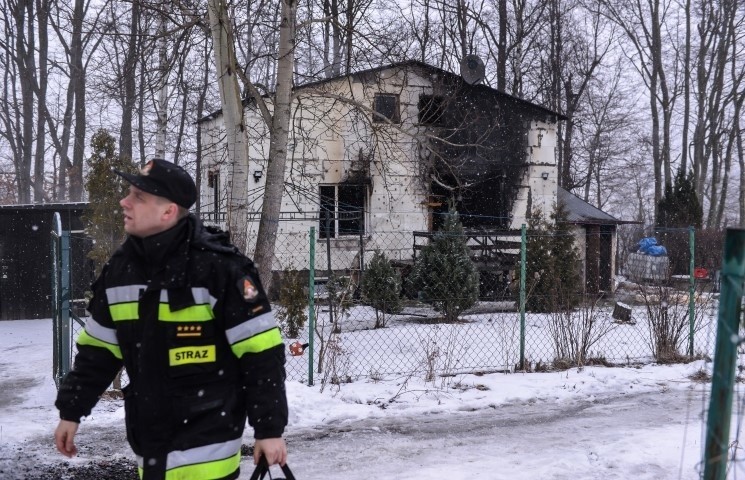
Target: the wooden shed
(595, 232)
(26, 259)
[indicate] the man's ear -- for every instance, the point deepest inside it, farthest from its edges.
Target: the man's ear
(171, 212)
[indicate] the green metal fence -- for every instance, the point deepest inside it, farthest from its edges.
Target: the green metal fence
(345, 335)
(60, 245)
(668, 319)
(66, 301)
(717, 450)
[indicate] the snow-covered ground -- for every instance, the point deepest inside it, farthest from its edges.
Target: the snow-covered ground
(595, 423)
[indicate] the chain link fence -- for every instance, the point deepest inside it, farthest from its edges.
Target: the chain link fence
(428, 304)
(356, 333)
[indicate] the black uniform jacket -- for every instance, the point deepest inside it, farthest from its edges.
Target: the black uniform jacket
(185, 313)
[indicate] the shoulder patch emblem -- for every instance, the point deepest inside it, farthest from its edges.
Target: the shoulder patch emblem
(248, 288)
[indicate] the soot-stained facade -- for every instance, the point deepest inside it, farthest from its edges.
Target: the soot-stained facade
(381, 152)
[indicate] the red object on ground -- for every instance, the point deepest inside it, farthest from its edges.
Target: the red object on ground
(297, 349)
(699, 272)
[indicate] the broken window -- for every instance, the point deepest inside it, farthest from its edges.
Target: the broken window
(213, 182)
(342, 210)
(430, 110)
(386, 105)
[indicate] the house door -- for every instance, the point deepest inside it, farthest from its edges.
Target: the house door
(605, 269)
(592, 260)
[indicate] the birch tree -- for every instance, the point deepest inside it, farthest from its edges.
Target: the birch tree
(226, 66)
(280, 128)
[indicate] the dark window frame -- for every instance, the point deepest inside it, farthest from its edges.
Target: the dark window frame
(344, 206)
(213, 182)
(382, 106)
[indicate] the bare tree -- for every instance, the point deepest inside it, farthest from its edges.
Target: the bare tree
(713, 144)
(653, 40)
(19, 45)
(128, 81)
(603, 140)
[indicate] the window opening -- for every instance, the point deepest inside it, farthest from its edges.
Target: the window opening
(431, 110)
(387, 106)
(342, 210)
(213, 182)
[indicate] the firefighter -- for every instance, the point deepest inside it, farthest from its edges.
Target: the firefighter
(184, 312)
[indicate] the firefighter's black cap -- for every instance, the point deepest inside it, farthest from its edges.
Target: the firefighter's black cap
(164, 179)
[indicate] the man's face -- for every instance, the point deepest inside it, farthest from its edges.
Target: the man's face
(145, 214)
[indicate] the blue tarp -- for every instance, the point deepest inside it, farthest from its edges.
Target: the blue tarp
(648, 246)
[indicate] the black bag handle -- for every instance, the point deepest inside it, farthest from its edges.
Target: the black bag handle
(263, 468)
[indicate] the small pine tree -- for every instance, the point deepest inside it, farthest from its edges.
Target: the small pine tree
(340, 292)
(293, 300)
(566, 263)
(679, 206)
(444, 275)
(103, 221)
(538, 270)
(552, 264)
(381, 288)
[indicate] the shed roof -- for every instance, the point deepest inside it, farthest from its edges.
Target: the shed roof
(580, 212)
(43, 206)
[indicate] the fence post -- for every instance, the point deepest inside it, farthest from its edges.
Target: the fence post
(725, 356)
(691, 288)
(311, 303)
(61, 349)
(523, 270)
(55, 236)
(65, 307)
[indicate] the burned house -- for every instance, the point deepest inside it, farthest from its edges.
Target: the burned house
(388, 150)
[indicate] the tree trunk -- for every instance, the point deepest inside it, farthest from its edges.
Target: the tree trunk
(275, 175)
(42, 10)
(200, 111)
(741, 160)
(665, 100)
(141, 109)
(686, 88)
(77, 77)
(24, 58)
(700, 166)
(161, 123)
(129, 83)
(235, 129)
(502, 47)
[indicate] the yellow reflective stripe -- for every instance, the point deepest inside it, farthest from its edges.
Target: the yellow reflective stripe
(206, 470)
(85, 339)
(251, 327)
(196, 313)
(184, 355)
(124, 311)
(258, 343)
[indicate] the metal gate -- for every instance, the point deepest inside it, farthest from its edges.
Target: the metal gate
(65, 320)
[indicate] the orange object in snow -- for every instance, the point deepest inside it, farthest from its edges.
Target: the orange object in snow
(297, 348)
(700, 273)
